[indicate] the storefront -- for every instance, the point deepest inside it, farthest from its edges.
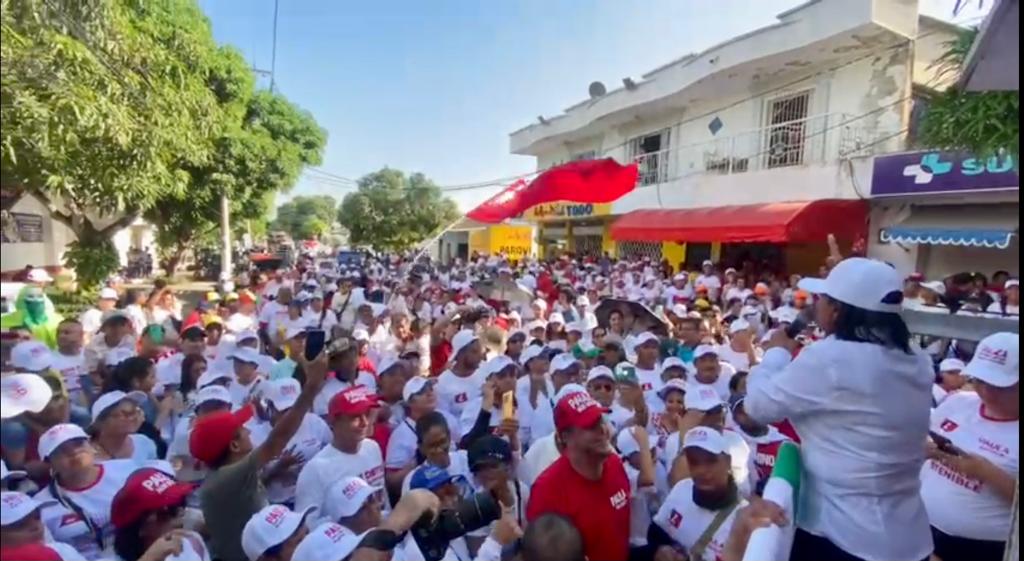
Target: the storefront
(579, 228)
(942, 213)
(514, 241)
(789, 236)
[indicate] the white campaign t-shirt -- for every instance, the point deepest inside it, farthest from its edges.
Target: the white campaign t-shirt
(71, 368)
(650, 383)
(454, 393)
(721, 384)
(312, 436)
(333, 386)
(143, 447)
(330, 465)
(94, 501)
(956, 504)
(639, 506)
(685, 522)
(241, 393)
(402, 443)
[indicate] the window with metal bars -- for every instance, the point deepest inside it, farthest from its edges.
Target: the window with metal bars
(650, 152)
(786, 131)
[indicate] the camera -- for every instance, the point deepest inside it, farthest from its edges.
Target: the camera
(432, 533)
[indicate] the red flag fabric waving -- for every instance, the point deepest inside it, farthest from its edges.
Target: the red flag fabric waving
(583, 181)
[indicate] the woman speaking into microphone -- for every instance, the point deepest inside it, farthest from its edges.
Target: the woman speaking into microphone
(860, 401)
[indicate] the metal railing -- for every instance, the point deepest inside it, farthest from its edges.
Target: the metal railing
(812, 140)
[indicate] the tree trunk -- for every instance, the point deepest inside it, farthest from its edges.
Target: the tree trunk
(173, 259)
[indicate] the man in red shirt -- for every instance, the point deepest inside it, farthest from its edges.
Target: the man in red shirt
(587, 484)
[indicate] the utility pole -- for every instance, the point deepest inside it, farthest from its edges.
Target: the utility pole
(225, 240)
(273, 49)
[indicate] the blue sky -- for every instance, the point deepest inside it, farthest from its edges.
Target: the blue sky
(436, 86)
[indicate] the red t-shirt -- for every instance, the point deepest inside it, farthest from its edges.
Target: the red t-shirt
(366, 365)
(439, 355)
(598, 509)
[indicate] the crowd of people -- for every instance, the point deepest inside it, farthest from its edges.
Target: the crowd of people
(496, 409)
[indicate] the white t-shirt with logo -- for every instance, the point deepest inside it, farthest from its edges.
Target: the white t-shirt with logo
(312, 436)
(958, 505)
(94, 501)
(71, 368)
(685, 522)
(333, 386)
(454, 392)
(650, 383)
(721, 384)
(402, 443)
(330, 465)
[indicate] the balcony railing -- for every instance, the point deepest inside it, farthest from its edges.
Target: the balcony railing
(813, 140)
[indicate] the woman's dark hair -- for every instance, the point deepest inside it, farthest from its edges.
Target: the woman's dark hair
(864, 326)
(133, 368)
(614, 313)
(428, 422)
(187, 383)
(128, 542)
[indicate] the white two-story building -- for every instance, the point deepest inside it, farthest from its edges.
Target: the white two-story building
(754, 149)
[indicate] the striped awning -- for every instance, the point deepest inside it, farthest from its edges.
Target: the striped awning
(991, 226)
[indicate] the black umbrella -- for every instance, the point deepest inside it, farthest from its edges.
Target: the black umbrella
(637, 316)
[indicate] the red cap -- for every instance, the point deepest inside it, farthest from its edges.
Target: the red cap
(916, 277)
(353, 401)
(30, 552)
(147, 490)
(577, 410)
(212, 433)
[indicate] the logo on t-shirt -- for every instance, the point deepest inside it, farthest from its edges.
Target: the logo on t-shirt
(675, 519)
(619, 499)
(948, 425)
(461, 398)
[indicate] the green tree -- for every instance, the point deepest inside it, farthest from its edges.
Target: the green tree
(982, 123)
(105, 102)
(306, 217)
(261, 153)
(391, 211)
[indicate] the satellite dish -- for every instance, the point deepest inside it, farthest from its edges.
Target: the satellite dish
(597, 89)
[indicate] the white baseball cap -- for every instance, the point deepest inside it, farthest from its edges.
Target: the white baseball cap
(540, 303)
(627, 445)
(108, 294)
(16, 506)
(5, 473)
(673, 362)
(361, 335)
(327, 542)
(739, 326)
(675, 384)
(536, 324)
(31, 356)
(997, 360)
(116, 356)
(645, 337)
(245, 335)
(704, 350)
(951, 365)
(387, 363)
(702, 397)
(294, 331)
(705, 438)
(577, 326)
(346, 496)
(863, 283)
(529, 353)
(270, 527)
(937, 287)
(708, 263)
(583, 300)
(283, 392)
(556, 318)
(246, 354)
(212, 375)
(562, 361)
(678, 310)
(462, 339)
(39, 275)
(111, 399)
(213, 393)
(600, 372)
(680, 277)
(569, 389)
(1011, 283)
(414, 386)
(23, 392)
(57, 435)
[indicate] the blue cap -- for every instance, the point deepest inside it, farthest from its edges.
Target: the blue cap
(431, 478)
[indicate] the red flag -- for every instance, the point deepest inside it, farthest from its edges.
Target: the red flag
(584, 181)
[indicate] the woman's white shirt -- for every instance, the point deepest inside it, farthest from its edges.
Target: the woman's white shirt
(862, 414)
